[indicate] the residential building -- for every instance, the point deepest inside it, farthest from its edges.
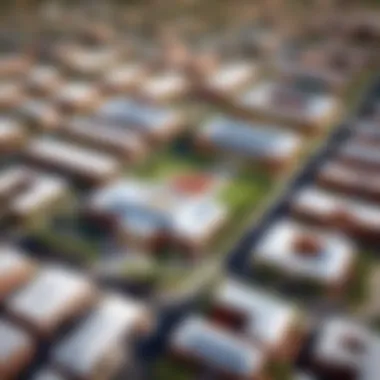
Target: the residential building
(43, 80)
(54, 297)
(268, 146)
(310, 112)
(201, 343)
(96, 346)
(17, 349)
(111, 138)
(158, 123)
(358, 218)
(260, 317)
(183, 213)
(83, 164)
(77, 97)
(16, 269)
(295, 251)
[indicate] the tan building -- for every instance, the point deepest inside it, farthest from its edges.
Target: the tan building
(309, 256)
(12, 136)
(113, 139)
(15, 270)
(358, 218)
(199, 343)
(16, 350)
(124, 78)
(266, 145)
(344, 178)
(54, 297)
(39, 114)
(83, 164)
(308, 112)
(77, 97)
(86, 355)
(43, 80)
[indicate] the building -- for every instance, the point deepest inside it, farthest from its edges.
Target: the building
(123, 78)
(182, 213)
(333, 65)
(171, 85)
(77, 97)
(127, 144)
(201, 343)
(324, 258)
(85, 165)
(12, 136)
(15, 270)
(14, 65)
(96, 346)
(367, 131)
(344, 178)
(43, 80)
(39, 114)
(260, 317)
(92, 61)
(360, 155)
(48, 374)
(44, 195)
(12, 95)
(25, 193)
(16, 350)
(53, 298)
(344, 349)
(230, 77)
(270, 147)
(358, 218)
(308, 111)
(157, 123)
(12, 182)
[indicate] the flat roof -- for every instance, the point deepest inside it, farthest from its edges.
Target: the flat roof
(82, 350)
(50, 296)
(216, 347)
(269, 317)
(329, 264)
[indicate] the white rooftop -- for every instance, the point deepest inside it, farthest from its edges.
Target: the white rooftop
(47, 374)
(13, 340)
(333, 343)
(252, 139)
(231, 75)
(11, 178)
(126, 74)
(276, 248)
(322, 203)
(167, 84)
(72, 156)
(154, 206)
(11, 260)
(216, 347)
(76, 92)
(139, 115)
(269, 318)
(362, 152)
(103, 132)
(51, 293)
(43, 74)
(312, 107)
(83, 349)
(9, 128)
(44, 190)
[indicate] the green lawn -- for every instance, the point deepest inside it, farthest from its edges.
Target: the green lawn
(87, 250)
(358, 287)
(169, 369)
